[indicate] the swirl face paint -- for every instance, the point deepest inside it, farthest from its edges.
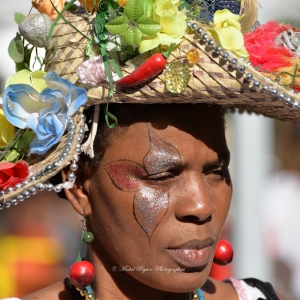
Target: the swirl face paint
(150, 201)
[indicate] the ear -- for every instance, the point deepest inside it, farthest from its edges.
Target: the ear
(78, 195)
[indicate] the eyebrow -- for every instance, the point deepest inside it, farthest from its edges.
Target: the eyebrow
(223, 159)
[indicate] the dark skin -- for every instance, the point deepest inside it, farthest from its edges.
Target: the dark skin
(161, 183)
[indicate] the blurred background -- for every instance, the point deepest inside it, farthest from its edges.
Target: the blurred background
(39, 237)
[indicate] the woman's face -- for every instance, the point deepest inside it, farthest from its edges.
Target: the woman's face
(160, 197)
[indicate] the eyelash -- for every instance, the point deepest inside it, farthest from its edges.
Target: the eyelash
(160, 176)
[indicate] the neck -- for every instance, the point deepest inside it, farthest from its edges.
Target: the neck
(110, 283)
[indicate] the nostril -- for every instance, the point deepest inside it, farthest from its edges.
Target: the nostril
(195, 219)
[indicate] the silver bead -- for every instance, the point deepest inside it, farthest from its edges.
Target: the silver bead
(39, 174)
(25, 182)
(55, 165)
(8, 190)
(72, 127)
(2, 193)
(242, 69)
(26, 194)
(225, 55)
(14, 201)
(81, 131)
(204, 36)
(32, 178)
(58, 188)
(64, 154)
(194, 26)
(70, 122)
(71, 132)
(6, 205)
(73, 167)
(49, 187)
(20, 198)
(265, 88)
(70, 138)
(1, 206)
(274, 92)
(67, 150)
(210, 43)
(71, 176)
(281, 97)
(18, 185)
(48, 168)
(218, 49)
(199, 30)
(288, 100)
(233, 62)
(188, 24)
(256, 84)
(296, 104)
(40, 186)
(68, 144)
(32, 190)
(249, 63)
(292, 91)
(249, 76)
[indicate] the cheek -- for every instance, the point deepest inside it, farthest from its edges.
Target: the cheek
(149, 207)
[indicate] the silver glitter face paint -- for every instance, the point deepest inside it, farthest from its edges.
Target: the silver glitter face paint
(150, 206)
(161, 156)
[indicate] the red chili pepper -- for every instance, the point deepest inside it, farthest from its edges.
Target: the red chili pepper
(145, 72)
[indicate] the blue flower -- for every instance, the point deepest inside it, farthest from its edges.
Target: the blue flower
(47, 112)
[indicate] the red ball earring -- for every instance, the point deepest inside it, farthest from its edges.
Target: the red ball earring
(224, 253)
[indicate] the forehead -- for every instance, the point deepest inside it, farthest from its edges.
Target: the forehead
(185, 127)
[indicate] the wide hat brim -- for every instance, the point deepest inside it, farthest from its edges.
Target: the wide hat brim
(213, 79)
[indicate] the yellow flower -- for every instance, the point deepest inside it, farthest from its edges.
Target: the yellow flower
(227, 32)
(6, 130)
(46, 7)
(173, 22)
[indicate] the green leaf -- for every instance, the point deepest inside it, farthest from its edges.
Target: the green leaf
(117, 26)
(148, 8)
(18, 17)
(12, 156)
(24, 141)
(148, 26)
(134, 9)
(16, 49)
(132, 37)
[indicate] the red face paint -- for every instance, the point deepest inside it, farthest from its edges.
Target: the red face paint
(126, 175)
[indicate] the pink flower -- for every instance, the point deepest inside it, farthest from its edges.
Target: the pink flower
(92, 72)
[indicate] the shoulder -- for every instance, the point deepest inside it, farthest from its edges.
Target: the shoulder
(55, 291)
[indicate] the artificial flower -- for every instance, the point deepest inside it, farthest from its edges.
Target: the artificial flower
(46, 7)
(173, 22)
(12, 174)
(90, 5)
(226, 31)
(260, 44)
(6, 130)
(92, 72)
(46, 113)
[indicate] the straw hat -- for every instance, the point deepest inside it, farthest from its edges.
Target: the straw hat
(200, 69)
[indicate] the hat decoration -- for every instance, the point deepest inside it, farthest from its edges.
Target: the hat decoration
(132, 51)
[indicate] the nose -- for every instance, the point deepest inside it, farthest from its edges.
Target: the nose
(195, 200)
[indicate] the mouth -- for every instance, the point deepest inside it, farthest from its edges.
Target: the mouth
(192, 254)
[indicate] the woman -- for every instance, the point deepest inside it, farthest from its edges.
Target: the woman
(154, 190)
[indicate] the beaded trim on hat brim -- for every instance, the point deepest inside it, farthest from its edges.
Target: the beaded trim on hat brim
(41, 168)
(219, 76)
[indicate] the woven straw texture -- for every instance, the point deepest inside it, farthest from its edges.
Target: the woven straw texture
(211, 81)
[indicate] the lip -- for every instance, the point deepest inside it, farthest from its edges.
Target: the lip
(192, 254)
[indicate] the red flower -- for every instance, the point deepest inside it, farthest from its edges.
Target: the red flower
(262, 49)
(11, 174)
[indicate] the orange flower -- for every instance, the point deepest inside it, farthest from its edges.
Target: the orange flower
(90, 4)
(46, 7)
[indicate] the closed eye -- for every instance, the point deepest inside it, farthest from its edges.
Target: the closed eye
(159, 176)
